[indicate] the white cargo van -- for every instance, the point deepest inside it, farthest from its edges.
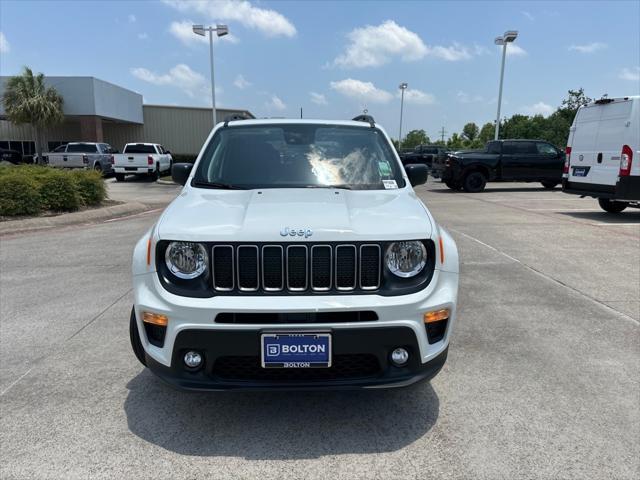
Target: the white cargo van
(603, 153)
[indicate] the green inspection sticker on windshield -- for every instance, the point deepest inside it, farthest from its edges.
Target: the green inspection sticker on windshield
(384, 168)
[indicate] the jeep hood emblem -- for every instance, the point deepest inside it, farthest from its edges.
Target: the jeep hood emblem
(293, 232)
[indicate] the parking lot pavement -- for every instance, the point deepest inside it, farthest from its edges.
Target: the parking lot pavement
(541, 382)
(140, 189)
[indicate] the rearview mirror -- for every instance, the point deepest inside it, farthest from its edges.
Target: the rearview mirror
(180, 172)
(417, 173)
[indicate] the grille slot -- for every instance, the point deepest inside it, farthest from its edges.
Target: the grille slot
(321, 271)
(272, 268)
(248, 268)
(297, 268)
(346, 267)
(222, 267)
(257, 318)
(369, 266)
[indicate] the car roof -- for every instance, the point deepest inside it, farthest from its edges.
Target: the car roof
(298, 121)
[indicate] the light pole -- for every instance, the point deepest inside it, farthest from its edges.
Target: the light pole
(220, 30)
(508, 37)
(403, 86)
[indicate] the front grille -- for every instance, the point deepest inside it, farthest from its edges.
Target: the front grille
(296, 268)
(248, 368)
(256, 318)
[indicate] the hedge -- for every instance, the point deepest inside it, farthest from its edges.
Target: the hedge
(30, 189)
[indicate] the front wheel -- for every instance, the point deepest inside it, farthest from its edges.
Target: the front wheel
(549, 185)
(134, 336)
(611, 206)
(453, 185)
(474, 182)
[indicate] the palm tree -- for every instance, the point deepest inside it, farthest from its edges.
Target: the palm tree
(26, 99)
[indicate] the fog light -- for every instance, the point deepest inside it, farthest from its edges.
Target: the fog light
(192, 359)
(399, 356)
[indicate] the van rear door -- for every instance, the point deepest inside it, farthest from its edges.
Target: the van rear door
(597, 142)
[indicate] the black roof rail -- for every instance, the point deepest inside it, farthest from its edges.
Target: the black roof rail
(234, 117)
(365, 118)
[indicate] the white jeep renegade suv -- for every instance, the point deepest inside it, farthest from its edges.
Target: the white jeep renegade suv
(297, 256)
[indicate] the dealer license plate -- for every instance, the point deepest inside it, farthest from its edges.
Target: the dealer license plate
(580, 171)
(296, 350)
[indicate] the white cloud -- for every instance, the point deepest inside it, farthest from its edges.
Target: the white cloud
(275, 103)
(241, 82)
(132, 18)
(451, 54)
(269, 22)
(588, 48)
(359, 90)
(464, 97)
(183, 31)
(417, 96)
(632, 74)
(4, 44)
(539, 108)
(181, 76)
(318, 98)
(372, 46)
(513, 50)
(143, 36)
(528, 15)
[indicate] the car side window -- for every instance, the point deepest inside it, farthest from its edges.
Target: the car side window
(508, 148)
(546, 149)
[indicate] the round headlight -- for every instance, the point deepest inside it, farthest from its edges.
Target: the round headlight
(406, 259)
(186, 260)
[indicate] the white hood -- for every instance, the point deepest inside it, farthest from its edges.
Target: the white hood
(260, 215)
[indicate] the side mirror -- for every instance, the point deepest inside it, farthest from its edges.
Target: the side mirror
(167, 152)
(417, 173)
(180, 172)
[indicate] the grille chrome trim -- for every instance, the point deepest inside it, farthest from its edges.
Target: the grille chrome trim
(282, 268)
(240, 287)
(355, 268)
(213, 256)
(322, 289)
(377, 285)
(306, 269)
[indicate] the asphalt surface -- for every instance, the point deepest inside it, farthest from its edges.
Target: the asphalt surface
(542, 379)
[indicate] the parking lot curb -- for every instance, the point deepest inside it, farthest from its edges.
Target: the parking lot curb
(73, 218)
(166, 182)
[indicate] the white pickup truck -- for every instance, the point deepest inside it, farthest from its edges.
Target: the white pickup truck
(142, 159)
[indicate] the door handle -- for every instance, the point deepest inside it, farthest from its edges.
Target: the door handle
(600, 157)
(64, 159)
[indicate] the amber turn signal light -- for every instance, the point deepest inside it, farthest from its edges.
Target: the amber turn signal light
(155, 319)
(436, 315)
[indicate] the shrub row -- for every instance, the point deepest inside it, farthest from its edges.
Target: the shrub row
(31, 189)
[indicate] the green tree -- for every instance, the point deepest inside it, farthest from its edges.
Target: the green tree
(470, 131)
(575, 100)
(455, 142)
(415, 138)
(26, 99)
(487, 132)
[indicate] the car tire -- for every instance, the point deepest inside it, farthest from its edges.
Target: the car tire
(474, 182)
(453, 185)
(549, 185)
(611, 206)
(119, 177)
(97, 167)
(155, 175)
(134, 336)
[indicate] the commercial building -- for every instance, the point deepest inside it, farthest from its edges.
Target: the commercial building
(99, 111)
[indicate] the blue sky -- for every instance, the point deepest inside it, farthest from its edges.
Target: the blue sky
(334, 59)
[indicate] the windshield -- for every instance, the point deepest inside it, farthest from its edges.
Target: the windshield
(299, 156)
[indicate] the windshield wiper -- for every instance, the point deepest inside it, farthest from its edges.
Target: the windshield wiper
(340, 187)
(219, 185)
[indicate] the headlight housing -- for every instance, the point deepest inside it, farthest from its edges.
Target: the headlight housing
(186, 260)
(406, 259)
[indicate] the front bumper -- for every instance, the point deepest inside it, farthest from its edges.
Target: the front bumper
(360, 360)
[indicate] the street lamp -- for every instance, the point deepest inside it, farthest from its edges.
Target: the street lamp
(403, 86)
(220, 30)
(508, 37)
